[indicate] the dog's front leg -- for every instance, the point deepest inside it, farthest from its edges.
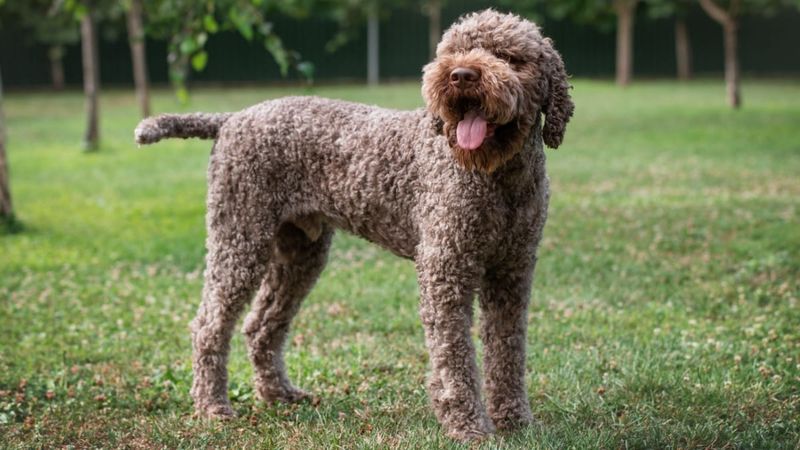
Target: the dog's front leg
(446, 296)
(504, 301)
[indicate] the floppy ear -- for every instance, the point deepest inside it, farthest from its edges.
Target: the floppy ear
(558, 106)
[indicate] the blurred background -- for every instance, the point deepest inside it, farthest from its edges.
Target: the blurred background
(664, 312)
(40, 43)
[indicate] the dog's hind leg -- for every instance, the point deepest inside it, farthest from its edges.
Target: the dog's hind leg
(241, 222)
(295, 266)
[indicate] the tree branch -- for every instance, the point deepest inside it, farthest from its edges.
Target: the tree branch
(716, 12)
(621, 6)
(55, 8)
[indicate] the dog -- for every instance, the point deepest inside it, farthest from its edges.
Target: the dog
(459, 187)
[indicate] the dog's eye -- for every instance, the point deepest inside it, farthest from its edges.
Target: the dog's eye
(516, 62)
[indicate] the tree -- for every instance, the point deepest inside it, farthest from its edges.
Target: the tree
(56, 56)
(136, 38)
(728, 18)
(373, 46)
(683, 48)
(626, 13)
(6, 207)
(678, 9)
(7, 220)
(49, 26)
(599, 13)
(91, 77)
(187, 25)
(352, 15)
(88, 13)
(433, 9)
(727, 13)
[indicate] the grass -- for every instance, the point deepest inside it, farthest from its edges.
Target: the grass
(664, 315)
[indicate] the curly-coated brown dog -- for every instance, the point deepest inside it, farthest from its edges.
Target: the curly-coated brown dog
(459, 187)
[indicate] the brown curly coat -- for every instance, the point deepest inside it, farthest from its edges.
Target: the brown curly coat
(285, 173)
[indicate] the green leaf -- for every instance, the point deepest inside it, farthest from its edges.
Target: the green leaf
(199, 61)
(306, 68)
(188, 45)
(246, 30)
(210, 24)
(242, 23)
(79, 11)
(274, 45)
(265, 28)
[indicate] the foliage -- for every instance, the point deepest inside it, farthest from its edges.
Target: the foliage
(601, 14)
(668, 8)
(48, 26)
(109, 13)
(755, 7)
(664, 312)
(598, 13)
(188, 24)
(351, 15)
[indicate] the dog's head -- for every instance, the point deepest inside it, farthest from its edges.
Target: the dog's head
(493, 75)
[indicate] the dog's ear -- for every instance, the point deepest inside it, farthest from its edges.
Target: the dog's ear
(557, 106)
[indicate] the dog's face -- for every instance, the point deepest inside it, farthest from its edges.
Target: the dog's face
(493, 75)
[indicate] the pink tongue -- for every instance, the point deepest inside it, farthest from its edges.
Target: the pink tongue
(471, 131)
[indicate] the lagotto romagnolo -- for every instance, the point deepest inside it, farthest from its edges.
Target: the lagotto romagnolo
(459, 187)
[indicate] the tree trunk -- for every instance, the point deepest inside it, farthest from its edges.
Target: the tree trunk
(138, 56)
(683, 49)
(626, 11)
(6, 207)
(56, 55)
(433, 8)
(373, 53)
(730, 28)
(91, 79)
(732, 76)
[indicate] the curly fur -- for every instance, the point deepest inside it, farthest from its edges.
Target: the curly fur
(284, 174)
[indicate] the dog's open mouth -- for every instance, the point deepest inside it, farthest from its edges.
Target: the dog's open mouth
(473, 129)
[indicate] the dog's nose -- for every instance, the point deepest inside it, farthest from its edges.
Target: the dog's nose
(462, 77)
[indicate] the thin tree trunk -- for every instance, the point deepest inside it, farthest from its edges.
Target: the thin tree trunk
(626, 11)
(732, 76)
(56, 55)
(730, 28)
(6, 207)
(373, 52)
(683, 49)
(138, 56)
(91, 79)
(433, 8)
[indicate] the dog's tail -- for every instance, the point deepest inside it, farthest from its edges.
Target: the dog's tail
(195, 125)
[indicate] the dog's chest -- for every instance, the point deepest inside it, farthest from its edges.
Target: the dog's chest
(519, 215)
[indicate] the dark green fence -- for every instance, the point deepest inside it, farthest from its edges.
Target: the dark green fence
(769, 46)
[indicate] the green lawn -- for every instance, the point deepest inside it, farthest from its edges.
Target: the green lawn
(664, 315)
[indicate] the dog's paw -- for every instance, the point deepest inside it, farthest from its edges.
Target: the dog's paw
(283, 394)
(471, 433)
(217, 411)
(511, 417)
